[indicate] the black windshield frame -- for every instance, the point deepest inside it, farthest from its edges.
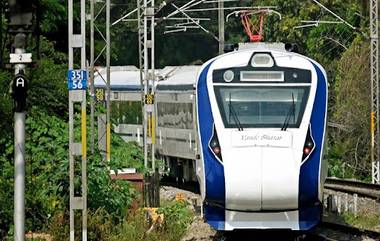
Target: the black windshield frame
(227, 124)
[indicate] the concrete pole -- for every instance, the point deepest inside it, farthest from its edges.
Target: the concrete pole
(221, 26)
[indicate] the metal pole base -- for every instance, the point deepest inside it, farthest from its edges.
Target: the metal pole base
(19, 195)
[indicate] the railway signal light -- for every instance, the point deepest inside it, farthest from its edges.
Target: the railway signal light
(20, 14)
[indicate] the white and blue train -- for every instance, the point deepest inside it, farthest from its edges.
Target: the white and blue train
(250, 128)
(261, 116)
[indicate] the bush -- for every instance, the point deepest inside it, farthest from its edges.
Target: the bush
(99, 225)
(47, 181)
(177, 218)
(102, 225)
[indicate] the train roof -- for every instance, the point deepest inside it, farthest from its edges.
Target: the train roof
(178, 78)
(127, 78)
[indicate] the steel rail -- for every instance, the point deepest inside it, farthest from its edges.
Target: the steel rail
(350, 229)
(353, 186)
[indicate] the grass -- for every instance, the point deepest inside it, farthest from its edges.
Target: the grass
(101, 225)
(177, 218)
(363, 220)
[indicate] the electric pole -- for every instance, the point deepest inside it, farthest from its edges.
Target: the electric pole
(92, 76)
(146, 22)
(374, 17)
(108, 63)
(77, 85)
(98, 11)
(221, 25)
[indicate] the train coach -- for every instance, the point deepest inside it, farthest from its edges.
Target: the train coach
(176, 131)
(261, 116)
(248, 126)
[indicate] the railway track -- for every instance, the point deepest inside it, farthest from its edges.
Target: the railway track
(326, 231)
(353, 186)
(347, 230)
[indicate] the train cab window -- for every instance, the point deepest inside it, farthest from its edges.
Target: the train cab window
(261, 106)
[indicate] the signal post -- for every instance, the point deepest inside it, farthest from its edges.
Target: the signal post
(20, 23)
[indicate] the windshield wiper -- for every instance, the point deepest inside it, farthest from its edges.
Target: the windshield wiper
(234, 115)
(292, 110)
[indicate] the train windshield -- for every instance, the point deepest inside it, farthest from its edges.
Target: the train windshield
(261, 106)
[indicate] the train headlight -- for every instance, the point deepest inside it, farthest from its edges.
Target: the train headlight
(228, 76)
(262, 60)
(216, 150)
(306, 150)
(308, 147)
(214, 143)
(215, 146)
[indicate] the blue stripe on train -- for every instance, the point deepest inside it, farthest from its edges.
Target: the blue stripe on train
(310, 209)
(214, 170)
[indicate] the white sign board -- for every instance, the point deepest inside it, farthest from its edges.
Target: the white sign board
(261, 138)
(20, 58)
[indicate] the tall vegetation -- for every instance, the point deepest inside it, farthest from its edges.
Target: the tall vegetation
(349, 152)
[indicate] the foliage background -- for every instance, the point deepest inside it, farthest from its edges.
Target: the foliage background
(344, 53)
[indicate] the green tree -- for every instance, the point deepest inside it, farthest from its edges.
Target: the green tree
(350, 147)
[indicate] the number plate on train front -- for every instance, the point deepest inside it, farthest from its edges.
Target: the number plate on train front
(261, 138)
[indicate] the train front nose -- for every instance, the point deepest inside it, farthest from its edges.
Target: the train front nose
(243, 179)
(280, 179)
(261, 178)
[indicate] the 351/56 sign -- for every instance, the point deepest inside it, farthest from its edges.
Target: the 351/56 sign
(77, 79)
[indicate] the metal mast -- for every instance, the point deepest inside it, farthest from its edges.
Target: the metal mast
(374, 17)
(77, 83)
(147, 76)
(152, 78)
(99, 9)
(92, 73)
(108, 92)
(221, 25)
